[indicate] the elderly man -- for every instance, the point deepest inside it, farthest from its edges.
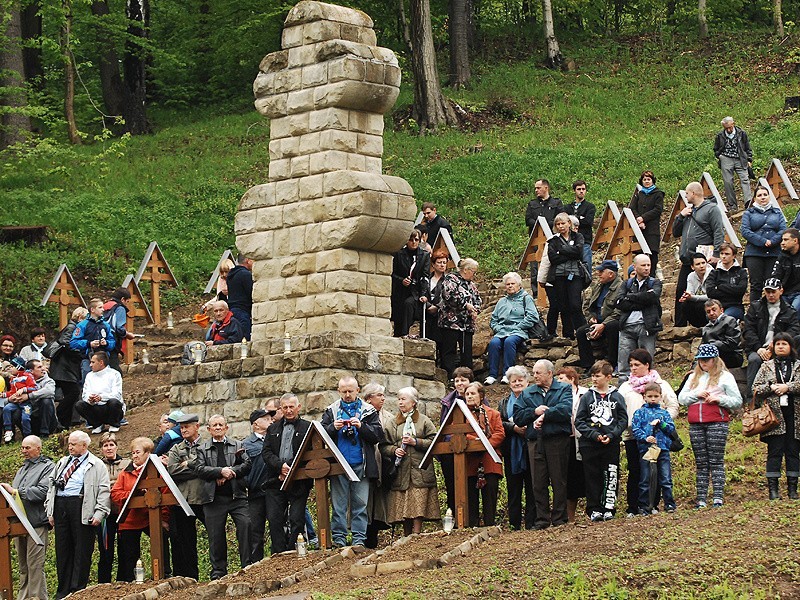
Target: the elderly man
(280, 448)
(226, 329)
(699, 224)
(355, 427)
(260, 420)
(545, 408)
(78, 499)
(602, 326)
(102, 396)
(223, 465)
(30, 485)
(732, 149)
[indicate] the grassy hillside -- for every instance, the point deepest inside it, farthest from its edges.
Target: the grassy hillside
(646, 103)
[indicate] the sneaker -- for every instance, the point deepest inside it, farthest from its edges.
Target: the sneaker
(717, 504)
(670, 509)
(123, 421)
(87, 426)
(489, 380)
(607, 516)
(644, 513)
(113, 429)
(631, 515)
(504, 380)
(8, 436)
(98, 429)
(596, 517)
(654, 511)
(701, 504)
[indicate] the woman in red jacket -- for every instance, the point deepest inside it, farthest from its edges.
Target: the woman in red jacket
(483, 473)
(135, 520)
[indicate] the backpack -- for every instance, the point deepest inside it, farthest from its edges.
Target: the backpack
(187, 358)
(539, 330)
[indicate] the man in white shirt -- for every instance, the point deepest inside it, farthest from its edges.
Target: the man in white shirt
(102, 403)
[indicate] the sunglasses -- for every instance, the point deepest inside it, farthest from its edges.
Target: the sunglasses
(272, 413)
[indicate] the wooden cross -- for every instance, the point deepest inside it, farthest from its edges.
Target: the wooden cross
(13, 523)
(444, 241)
(534, 250)
(154, 268)
(773, 201)
(778, 181)
(710, 189)
(67, 295)
(227, 255)
(138, 308)
(457, 424)
(154, 478)
(681, 203)
(607, 225)
(626, 240)
(318, 458)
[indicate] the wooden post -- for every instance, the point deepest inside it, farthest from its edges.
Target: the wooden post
(67, 294)
(155, 269)
(13, 523)
(710, 189)
(533, 252)
(677, 207)
(138, 308)
(778, 181)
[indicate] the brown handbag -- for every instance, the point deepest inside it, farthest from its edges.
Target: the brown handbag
(756, 421)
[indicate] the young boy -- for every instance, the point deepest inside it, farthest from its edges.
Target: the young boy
(601, 419)
(653, 425)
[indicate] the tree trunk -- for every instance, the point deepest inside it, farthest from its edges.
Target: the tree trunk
(777, 17)
(431, 108)
(459, 43)
(133, 110)
(31, 25)
(69, 74)
(555, 60)
(701, 18)
(111, 84)
(405, 31)
(14, 122)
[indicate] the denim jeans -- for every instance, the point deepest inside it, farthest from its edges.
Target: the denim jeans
(10, 409)
(587, 254)
(664, 480)
(737, 312)
(632, 337)
(508, 346)
(352, 494)
(794, 300)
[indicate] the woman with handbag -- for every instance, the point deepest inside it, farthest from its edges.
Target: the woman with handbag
(566, 275)
(711, 393)
(777, 386)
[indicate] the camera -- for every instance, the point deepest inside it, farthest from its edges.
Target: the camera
(60, 484)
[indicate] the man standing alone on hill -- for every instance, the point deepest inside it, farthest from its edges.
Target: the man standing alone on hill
(541, 205)
(240, 293)
(732, 149)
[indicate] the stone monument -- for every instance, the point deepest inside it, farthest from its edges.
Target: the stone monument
(321, 231)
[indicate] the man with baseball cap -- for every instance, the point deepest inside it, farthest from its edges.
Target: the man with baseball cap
(602, 327)
(260, 420)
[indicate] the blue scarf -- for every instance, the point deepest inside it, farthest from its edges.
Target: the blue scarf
(519, 454)
(649, 190)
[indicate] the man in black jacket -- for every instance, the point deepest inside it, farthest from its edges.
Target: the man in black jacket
(602, 327)
(733, 152)
(435, 222)
(541, 205)
(281, 444)
(257, 503)
(763, 320)
(787, 267)
(240, 293)
(585, 211)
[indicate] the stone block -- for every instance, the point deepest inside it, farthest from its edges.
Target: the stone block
(240, 411)
(366, 305)
(291, 37)
(366, 122)
(419, 348)
(345, 68)
(383, 263)
(184, 374)
(272, 107)
(231, 369)
(299, 166)
(295, 287)
(367, 262)
(306, 263)
(379, 285)
(310, 188)
(314, 75)
(305, 12)
(394, 566)
(252, 366)
(378, 326)
(317, 402)
(397, 382)
(220, 352)
(355, 95)
(270, 217)
(287, 192)
(258, 196)
(288, 266)
(383, 308)
(390, 345)
(302, 55)
(352, 323)
(430, 390)
(327, 160)
(345, 339)
(208, 371)
(315, 283)
(286, 308)
(326, 209)
(320, 31)
(150, 594)
(356, 162)
(336, 139)
(328, 118)
(310, 142)
(347, 281)
(387, 363)
(279, 169)
(392, 75)
(336, 260)
(375, 72)
(419, 367)
(370, 145)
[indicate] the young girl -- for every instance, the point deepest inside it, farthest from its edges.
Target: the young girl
(653, 424)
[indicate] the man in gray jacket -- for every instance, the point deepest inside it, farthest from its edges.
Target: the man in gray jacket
(699, 224)
(30, 485)
(78, 499)
(733, 152)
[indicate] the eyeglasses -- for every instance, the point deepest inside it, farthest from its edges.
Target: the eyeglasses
(272, 413)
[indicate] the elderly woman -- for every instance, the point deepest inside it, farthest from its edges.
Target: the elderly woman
(778, 384)
(566, 277)
(576, 479)
(374, 394)
(483, 474)
(135, 520)
(457, 312)
(411, 267)
(711, 394)
(762, 227)
(640, 362)
(647, 204)
(515, 453)
(413, 496)
(512, 318)
(107, 530)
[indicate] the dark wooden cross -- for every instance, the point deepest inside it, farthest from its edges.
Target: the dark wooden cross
(138, 308)
(626, 239)
(444, 241)
(63, 291)
(533, 251)
(13, 523)
(155, 269)
(457, 424)
(608, 223)
(318, 458)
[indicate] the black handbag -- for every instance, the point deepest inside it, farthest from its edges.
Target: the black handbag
(677, 442)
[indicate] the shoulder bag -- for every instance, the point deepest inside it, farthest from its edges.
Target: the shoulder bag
(756, 421)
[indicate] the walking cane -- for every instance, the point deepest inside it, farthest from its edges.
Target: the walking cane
(424, 314)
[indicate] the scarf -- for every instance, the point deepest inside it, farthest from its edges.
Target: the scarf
(649, 190)
(408, 427)
(518, 449)
(638, 383)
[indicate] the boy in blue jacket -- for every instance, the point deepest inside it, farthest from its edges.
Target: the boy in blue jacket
(652, 424)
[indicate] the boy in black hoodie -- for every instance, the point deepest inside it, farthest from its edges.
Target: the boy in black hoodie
(601, 419)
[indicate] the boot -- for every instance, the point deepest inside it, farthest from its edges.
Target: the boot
(772, 483)
(791, 487)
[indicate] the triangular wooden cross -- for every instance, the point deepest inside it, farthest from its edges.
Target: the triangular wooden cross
(730, 232)
(68, 294)
(13, 523)
(154, 268)
(457, 424)
(420, 216)
(607, 225)
(534, 251)
(773, 201)
(319, 458)
(153, 478)
(710, 189)
(626, 240)
(215, 275)
(445, 242)
(681, 203)
(780, 184)
(138, 308)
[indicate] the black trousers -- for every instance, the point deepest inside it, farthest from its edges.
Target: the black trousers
(294, 500)
(565, 299)
(695, 313)
(609, 342)
(105, 543)
(257, 508)
(634, 474)
(759, 268)
(71, 391)
(487, 495)
(732, 360)
(216, 514)
(74, 545)
(456, 349)
(680, 315)
(109, 413)
(549, 460)
(601, 468)
(516, 483)
(448, 473)
(130, 550)
(183, 537)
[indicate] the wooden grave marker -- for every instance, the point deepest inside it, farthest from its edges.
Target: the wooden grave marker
(13, 523)
(319, 458)
(155, 269)
(420, 216)
(215, 275)
(627, 239)
(138, 308)
(457, 424)
(152, 478)
(63, 291)
(710, 189)
(778, 181)
(607, 225)
(730, 232)
(773, 200)
(681, 203)
(445, 242)
(534, 251)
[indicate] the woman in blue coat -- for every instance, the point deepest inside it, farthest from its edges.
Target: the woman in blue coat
(762, 227)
